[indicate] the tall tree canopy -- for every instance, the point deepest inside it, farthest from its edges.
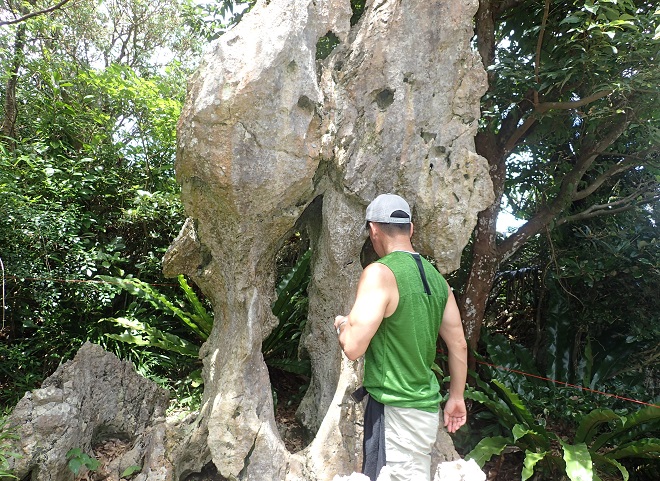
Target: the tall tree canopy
(91, 92)
(570, 122)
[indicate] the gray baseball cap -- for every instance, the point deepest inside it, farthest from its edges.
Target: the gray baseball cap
(388, 209)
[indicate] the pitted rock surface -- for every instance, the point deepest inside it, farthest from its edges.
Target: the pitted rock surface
(272, 140)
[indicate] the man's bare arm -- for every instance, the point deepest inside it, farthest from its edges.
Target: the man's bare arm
(374, 294)
(451, 331)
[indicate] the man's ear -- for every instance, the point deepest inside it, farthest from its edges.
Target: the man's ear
(412, 229)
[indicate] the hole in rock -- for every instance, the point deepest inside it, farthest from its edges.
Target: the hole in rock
(292, 67)
(27, 477)
(289, 373)
(103, 433)
(438, 150)
(108, 449)
(385, 98)
(208, 473)
(358, 7)
(367, 254)
(326, 45)
(428, 136)
(306, 104)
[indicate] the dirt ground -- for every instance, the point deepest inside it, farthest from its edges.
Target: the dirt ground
(289, 390)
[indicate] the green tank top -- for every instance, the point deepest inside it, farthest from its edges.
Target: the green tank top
(397, 363)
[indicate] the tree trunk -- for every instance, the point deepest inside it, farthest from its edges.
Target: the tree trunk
(472, 302)
(485, 256)
(8, 129)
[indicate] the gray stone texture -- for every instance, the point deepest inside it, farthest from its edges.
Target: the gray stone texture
(272, 140)
(88, 400)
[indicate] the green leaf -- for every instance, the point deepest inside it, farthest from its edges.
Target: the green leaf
(501, 410)
(643, 448)
(590, 7)
(603, 462)
(291, 282)
(131, 470)
(515, 403)
(531, 458)
(488, 447)
(559, 339)
(129, 339)
(578, 461)
(157, 300)
(646, 414)
(152, 336)
(519, 431)
(571, 19)
(204, 319)
(627, 424)
(590, 423)
(92, 463)
(74, 465)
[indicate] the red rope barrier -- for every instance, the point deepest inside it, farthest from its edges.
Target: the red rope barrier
(574, 386)
(569, 384)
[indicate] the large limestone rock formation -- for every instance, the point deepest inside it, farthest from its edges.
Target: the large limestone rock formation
(272, 140)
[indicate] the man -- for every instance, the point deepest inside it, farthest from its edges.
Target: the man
(402, 304)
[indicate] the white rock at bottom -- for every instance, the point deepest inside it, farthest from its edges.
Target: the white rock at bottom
(460, 470)
(383, 476)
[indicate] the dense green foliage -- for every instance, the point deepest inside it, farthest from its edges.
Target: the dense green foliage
(280, 348)
(571, 311)
(6, 449)
(139, 322)
(153, 320)
(593, 450)
(570, 127)
(86, 174)
(569, 124)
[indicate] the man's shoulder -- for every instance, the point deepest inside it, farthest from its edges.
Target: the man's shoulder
(377, 269)
(377, 273)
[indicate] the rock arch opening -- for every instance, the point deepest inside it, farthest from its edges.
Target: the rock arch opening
(288, 371)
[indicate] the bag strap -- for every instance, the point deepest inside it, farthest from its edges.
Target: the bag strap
(418, 260)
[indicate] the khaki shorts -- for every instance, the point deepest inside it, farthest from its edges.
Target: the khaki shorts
(409, 438)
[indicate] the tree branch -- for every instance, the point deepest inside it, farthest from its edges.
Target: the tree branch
(34, 14)
(566, 194)
(570, 182)
(621, 205)
(485, 31)
(539, 45)
(504, 5)
(544, 107)
(612, 171)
